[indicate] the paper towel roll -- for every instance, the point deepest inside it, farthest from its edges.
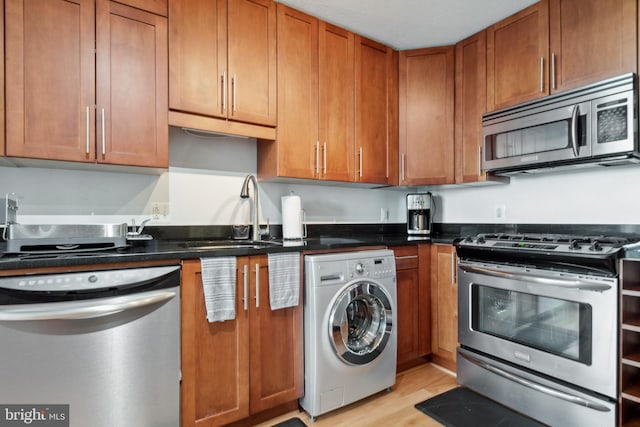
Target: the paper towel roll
(291, 217)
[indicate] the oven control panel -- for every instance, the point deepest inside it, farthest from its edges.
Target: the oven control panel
(546, 243)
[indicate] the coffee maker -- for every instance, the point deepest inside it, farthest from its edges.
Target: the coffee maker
(419, 208)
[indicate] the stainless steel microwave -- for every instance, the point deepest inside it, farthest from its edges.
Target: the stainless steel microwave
(595, 124)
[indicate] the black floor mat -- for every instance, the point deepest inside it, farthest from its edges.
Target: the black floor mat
(291, 422)
(462, 407)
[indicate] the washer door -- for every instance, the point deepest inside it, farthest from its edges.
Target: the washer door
(360, 323)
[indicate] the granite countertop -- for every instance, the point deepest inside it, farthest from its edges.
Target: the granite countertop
(175, 250)
(175, 243)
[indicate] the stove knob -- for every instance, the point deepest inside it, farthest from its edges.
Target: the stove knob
(480, 240)
(574, 245)
(595, 246)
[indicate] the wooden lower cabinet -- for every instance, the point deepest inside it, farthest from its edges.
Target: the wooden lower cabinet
(444, 305)
(237, 368)
(629, 411)
(413, 307)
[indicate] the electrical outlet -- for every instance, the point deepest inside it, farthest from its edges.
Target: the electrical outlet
(160, 212)
(501, 212)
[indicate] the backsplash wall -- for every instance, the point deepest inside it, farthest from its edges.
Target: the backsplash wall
(202, 187)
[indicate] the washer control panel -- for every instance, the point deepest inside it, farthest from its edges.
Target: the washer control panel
(374, 268)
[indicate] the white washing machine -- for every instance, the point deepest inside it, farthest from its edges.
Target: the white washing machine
(350, 338)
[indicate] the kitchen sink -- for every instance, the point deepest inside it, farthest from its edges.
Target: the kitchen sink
(229, 244)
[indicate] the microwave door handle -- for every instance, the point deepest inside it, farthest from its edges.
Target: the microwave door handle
(585, 285)
(573, 125)
(537, 386)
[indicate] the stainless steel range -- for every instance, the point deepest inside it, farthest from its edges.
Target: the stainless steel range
(538, 324)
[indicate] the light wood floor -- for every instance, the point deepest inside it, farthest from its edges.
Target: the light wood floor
(387, 409)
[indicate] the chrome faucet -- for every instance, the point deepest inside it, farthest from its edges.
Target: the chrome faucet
(256, 204)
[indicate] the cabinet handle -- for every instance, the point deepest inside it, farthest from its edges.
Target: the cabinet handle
(234, 84)
(480, 160)
(318, 158)
(257, 285)
(407, 257)
(88, 126)
(360, 157)
(453, 269)
(402, 168)
(541, 74)
(553, 71)
(246, 287)
(224, 91)
(324, 159)
(104, 138)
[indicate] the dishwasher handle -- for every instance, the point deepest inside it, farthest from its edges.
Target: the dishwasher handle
(86, 309)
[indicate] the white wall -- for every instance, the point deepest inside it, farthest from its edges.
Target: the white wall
(597, 195)
(202, 186)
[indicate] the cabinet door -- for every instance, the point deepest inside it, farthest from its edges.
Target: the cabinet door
(198, 56)
(297, 133)
(471, 95)
(336, 102)
(426, 116)
(444, 301)
(408, 303)
(373, 63)
(276, 366)
(591, 40)
(252, 61)
(215, 356)
(132, 86)
(518, 57)
(50, 64)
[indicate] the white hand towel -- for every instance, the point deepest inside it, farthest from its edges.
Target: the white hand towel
(219, 287)
(284, 280)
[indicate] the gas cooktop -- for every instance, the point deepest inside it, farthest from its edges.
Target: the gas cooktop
(557, 243)
(556, 251)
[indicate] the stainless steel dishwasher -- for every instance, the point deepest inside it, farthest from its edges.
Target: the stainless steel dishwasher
(106, 343)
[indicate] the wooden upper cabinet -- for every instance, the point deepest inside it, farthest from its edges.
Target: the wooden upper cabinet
(591, 40)
(295, 152)
(132, 82)
(470, 104)
(197, 56)
(2, 107)
(426, 116)
(114, 112)
(222, 59)
(374, 62)
(336, 105)
(49, 61)
(252, 61)
(518, 57)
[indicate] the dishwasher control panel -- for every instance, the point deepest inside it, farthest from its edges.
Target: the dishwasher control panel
(86, 280)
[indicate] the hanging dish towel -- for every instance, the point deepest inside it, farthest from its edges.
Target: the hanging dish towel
(219, 287)
(284, 280)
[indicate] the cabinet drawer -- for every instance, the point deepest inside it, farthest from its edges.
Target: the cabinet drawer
(406, 257)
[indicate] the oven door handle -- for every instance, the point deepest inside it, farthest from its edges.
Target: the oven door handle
(581, 284)
(537, 386)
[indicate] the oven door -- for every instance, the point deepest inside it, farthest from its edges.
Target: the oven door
(559, 324)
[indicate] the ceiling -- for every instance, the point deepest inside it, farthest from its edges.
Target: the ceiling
(411, 24)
